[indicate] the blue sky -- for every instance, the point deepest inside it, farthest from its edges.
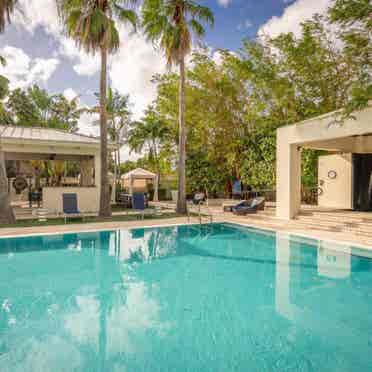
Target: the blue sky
(38, 52)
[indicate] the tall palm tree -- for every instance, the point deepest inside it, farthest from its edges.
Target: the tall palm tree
(118, 119)
(6, 9)
(91, 23)
(6, 211)
(149, 134)
(171, 24)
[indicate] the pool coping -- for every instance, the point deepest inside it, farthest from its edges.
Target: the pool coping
(339, 244)
(98, 230)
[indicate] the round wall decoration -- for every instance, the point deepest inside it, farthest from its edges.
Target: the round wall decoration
(19, 184)
(332, 174)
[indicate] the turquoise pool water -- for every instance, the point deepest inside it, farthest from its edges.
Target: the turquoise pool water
(189, 298)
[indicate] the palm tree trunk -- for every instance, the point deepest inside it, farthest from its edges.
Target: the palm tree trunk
(181, 201)
(113, 191)
(6, 211)
(104, 204)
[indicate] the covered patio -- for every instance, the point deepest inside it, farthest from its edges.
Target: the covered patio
(43, 144)
(344, 178)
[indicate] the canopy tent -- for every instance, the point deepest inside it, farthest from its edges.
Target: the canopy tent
(141, 174)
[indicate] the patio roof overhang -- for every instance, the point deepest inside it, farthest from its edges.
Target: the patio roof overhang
(47, 141)
(326, 132)
(20, 143)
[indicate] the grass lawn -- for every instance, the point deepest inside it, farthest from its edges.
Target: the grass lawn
(70, 221)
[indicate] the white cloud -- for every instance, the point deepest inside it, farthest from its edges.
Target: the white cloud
(224, 3)
(35, 13)
(70, 94)
(132, 68)
(293, 16)
(23, 71)
(246, 24)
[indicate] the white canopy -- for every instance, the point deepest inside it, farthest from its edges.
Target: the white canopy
(139, 173)
(143, 174)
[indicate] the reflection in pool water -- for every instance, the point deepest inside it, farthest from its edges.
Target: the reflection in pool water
(189, 298)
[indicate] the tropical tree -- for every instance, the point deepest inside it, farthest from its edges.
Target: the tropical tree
(6, 211)
(6, 9)
(92, 24)
(149, 135)
(354, 18)
(34, 106)
(172, 24)
(118, 119)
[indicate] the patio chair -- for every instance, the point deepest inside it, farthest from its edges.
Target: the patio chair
(138, 202)
(70, 206)
(199, 198)
(249, 207)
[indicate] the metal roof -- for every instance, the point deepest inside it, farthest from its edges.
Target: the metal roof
(44, 134)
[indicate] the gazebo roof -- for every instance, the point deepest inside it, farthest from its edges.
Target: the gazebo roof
(138, 173)
(36, 134)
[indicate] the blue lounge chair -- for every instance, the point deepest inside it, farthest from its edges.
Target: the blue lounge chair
(249, 207)
(138, 202)
(70, 206)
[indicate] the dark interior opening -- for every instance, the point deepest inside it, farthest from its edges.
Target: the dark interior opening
(362, 182)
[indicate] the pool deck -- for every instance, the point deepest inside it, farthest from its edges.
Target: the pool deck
(324, 230)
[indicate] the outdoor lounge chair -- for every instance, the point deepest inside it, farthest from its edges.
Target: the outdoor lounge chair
(249, 207)
(138, 202)
(70, 206)
(199, 198)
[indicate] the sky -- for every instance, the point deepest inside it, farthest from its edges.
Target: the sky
(38, 51)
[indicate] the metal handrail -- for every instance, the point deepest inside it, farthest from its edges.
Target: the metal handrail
(200, 214)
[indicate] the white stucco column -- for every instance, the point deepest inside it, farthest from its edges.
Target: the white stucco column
(288, 177)
(156, 189)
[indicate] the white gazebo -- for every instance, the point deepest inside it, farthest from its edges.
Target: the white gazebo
(31, 143)
(142, 175)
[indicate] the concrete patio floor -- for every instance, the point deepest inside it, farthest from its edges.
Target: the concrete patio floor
(347, 227)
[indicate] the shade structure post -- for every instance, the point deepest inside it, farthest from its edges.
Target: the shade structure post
(131, 181)
(156, 189)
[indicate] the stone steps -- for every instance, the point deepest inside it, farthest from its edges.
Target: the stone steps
(357, 224)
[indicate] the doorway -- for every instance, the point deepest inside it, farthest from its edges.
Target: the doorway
(362, 182)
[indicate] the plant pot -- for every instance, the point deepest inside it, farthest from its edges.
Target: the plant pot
(174, 194)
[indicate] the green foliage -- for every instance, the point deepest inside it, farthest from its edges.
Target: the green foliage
(91, 23)
(35, 107)
(171, 24)
(6, 9)
(354, 18)
(235, 106)
(151, 137)
(118, 115)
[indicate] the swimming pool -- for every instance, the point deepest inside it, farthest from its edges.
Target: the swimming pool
(216, 297)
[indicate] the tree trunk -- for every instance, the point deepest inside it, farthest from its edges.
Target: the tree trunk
(119, 170)
(6, 211)
(104, 203)
(113, 191)
(181, 201)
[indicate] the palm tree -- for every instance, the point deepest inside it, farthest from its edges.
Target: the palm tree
(171, 24)
(6, 211)
(149, 134)
(118, 119)
(6, 9)
(91, 23)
